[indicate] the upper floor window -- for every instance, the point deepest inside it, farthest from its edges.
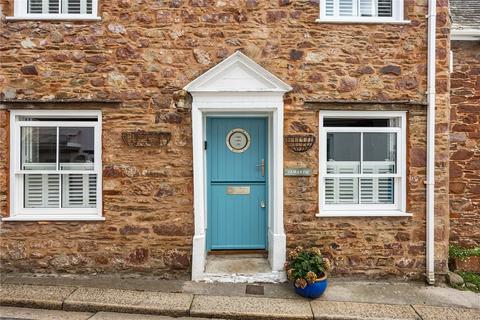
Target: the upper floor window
(55, 165)
(56, 9)
(361, 11)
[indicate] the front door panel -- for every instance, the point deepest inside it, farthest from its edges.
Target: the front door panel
(237, 183)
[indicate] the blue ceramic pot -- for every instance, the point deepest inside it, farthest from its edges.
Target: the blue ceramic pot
(313, 290)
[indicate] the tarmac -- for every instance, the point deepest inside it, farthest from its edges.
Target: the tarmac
(112, 297)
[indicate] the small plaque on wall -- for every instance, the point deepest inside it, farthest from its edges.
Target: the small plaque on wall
(298, 172)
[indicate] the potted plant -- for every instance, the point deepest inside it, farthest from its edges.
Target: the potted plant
(307, 268)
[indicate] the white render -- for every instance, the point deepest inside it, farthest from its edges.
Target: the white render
(239, 87)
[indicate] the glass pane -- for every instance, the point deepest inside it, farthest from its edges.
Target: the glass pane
(41, 190)
(343, 153)
(39, 148)
(76, 148)
(79, 190)
(377, 190)
(379, 153)
(341, 191)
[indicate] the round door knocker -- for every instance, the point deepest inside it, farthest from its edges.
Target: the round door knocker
(238, 140)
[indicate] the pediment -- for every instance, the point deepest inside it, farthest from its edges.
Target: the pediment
(237, 73)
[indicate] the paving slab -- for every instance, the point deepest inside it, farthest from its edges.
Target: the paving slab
(115, 300)
(246, 308)
(47, 297)
(39, 314)
(447, 313)
(130, 316)
(336, 310)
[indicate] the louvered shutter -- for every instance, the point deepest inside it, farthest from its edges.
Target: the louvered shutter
(42, 190)
(385, 8)
(329, 8)
(79, 190)
(377, 190)
(366, 8)
(345, 8)
(341, 190)
(60, 6)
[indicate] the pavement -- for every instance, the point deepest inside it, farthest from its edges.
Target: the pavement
(109, 297)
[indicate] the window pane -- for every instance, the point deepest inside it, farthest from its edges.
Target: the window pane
(341, 190)
(379, 153)
(41, 190)
(385, 8)
(345, 7)
(76, 148)
(377, 190)
(79, 190)
(343, 153)
(39, 148)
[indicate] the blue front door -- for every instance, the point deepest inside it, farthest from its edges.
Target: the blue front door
(237, 183)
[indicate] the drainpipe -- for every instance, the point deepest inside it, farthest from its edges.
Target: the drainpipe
(431, 77)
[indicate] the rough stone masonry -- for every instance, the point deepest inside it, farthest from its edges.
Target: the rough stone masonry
(137, 59)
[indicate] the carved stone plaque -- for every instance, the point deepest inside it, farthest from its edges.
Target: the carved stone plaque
(234, 190)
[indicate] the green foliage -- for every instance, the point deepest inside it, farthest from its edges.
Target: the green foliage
(306, 266)
(473, 278)
(463, 254)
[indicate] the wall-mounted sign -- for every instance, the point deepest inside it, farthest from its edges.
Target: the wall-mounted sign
(238, 190)
(238, 140)
(297, 172)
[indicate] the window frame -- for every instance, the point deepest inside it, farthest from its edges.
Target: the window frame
(20, 12)
(364, 210)
(398, 15)
(18, 212)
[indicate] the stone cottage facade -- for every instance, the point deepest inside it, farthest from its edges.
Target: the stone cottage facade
(465, 125)
(142, 200)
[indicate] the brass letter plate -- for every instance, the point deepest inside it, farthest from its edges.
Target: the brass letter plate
(238, 190)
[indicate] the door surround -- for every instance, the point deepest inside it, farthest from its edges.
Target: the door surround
(239, 87)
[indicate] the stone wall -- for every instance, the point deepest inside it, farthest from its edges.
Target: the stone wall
(465, 145)
(142, 53)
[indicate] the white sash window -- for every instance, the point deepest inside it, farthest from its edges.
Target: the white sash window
(55, 165)
(361, 11)
(362, 163)
(56, 9)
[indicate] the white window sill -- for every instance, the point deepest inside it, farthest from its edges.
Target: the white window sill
(362, 21)
(369, 213)
(53, 18)
(41, 217)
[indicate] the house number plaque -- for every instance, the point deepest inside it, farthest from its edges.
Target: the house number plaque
(238, 140)
(238, 190)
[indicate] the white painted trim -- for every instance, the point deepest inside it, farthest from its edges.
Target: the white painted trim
(17, 210)
(364, 210)
(465, 34)
(396, 18)
(246, 103)
(20, 12)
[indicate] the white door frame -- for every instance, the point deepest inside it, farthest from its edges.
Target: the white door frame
(239, 86)
(242, 105)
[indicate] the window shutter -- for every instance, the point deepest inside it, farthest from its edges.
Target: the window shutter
(79, 190)
(377, 190)
(329, 8)
(54, 6)
(341, 190)
(385, 8)
(42, 190)
(366, 8)
(35, 6)
(345, 7)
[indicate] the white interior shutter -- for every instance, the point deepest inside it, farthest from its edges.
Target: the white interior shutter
(74, 6)
(79, 190)
(366, 8)
(329, 8)
(377, 190)
(54, 6)
(385, 8)
(345, 7)
(35, 6)
(341, 190)
(42, 190)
